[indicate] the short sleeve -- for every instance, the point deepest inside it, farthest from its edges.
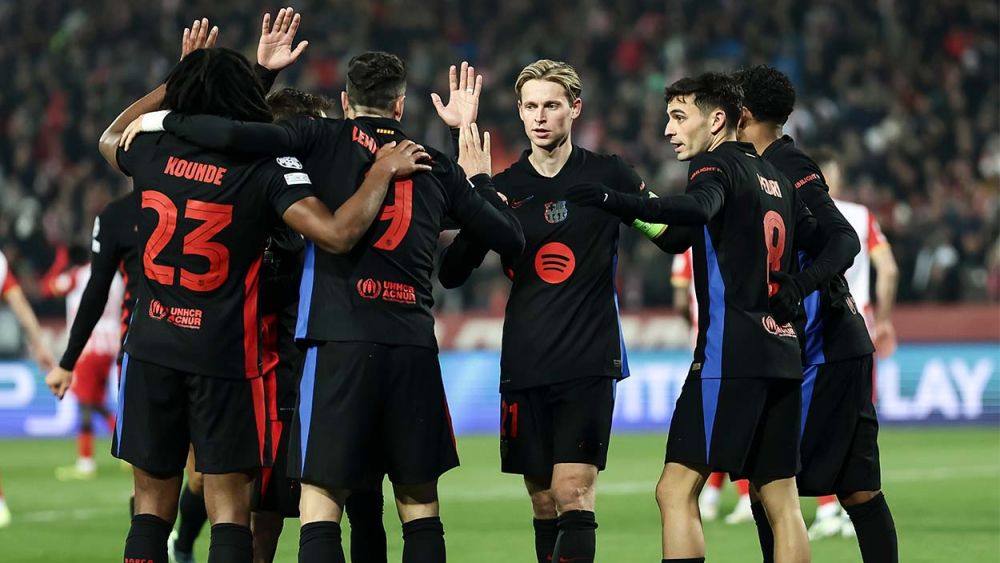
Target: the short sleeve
(7, 279)
(286, 187)
(875, 237)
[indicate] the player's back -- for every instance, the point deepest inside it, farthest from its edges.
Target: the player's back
(749, 237)
(381, 291)
(203, 222)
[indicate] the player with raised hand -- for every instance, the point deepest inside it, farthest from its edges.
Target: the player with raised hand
(562, 352)
(839, 427)
(191, 371)
(739, 408)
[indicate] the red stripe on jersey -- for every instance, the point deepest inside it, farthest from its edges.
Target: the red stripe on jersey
(259, 414)
(875, 236)
(126, 302)
(251, 326)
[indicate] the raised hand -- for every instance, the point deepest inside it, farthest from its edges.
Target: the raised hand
(474, 157)
(402, 159)
(463, 99)
(274, 50)
(198, 36)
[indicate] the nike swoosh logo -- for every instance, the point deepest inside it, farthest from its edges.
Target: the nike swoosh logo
(518, 203)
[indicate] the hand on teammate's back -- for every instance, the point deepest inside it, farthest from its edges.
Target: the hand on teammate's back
(464, 86)
(274, 50)
(474, 153)
(402, 159)
(198, 36)
(786, 303)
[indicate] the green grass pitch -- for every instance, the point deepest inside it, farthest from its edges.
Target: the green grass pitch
(943, 486)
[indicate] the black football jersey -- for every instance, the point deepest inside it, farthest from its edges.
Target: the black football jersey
(381, 291)
(114, 248)
(202, 226)
(834, 329)
(561, 321)
(751, 235)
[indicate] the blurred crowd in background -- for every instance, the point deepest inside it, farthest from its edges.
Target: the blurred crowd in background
(905, 90)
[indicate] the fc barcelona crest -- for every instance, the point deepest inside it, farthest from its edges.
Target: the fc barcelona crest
(555, 211)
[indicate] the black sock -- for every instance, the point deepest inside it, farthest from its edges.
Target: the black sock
(876, 530)
(577, 539)
(231, 543)
(688, 560)
(364, 510)
(147, 539)
(319, 542)
(131, 507)
(764, 532)
(546, 532)
(423, 541)
(192, 516)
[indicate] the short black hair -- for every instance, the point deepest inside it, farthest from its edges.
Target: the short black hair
(710, 90)
(375, 79)
(767, 92)
(290, 102)
(216, 81)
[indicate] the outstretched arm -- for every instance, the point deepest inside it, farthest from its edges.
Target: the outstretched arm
(198, 36)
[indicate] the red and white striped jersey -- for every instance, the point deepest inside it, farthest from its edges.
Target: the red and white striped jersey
(859, 275)
(682, 275)
(106, 337)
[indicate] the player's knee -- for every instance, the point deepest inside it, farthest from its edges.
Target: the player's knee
(318, 505)
(574, 493)
(543, 504)
(857, 498)
(196, 482)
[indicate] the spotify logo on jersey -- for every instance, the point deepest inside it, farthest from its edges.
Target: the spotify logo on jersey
(554, 262)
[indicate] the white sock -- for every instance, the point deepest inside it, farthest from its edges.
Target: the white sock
(828, 510)
(710, 495)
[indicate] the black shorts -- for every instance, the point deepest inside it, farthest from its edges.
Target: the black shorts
(274, 490)
(162, 410)
(567, 422)
(366, 410)
(840, 429)
(747, 427)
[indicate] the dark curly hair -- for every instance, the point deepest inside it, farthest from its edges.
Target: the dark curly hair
(375, 79)
(216, 81)
(710, 90)
(289, 102)
(767, 93)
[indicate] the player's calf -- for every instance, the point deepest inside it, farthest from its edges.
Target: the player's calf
(266, 528)
(156, 507)
(423, 533)
(874, 525)
(780, 499)
(320, 512)
(677, 496)
(227, 499)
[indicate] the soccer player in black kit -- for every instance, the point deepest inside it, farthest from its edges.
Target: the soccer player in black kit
(839, 423)
(739, 408)
(562, 352)
(372, 357)
(191, 372)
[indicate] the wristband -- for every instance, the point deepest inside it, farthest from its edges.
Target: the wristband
(649, 230)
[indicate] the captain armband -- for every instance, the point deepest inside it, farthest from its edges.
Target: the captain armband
(649, 230)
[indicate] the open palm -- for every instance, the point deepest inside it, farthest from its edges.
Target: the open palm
(274, 50)
(463, 99)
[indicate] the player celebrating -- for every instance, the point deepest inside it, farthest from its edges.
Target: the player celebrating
(839, 423)
(14, 296)
(562, 350)
(200, 290)
(740, 406)
(96, 359)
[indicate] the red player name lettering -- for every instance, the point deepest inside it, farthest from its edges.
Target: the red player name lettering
(770, 187)
(197, 171)
(363, 139)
